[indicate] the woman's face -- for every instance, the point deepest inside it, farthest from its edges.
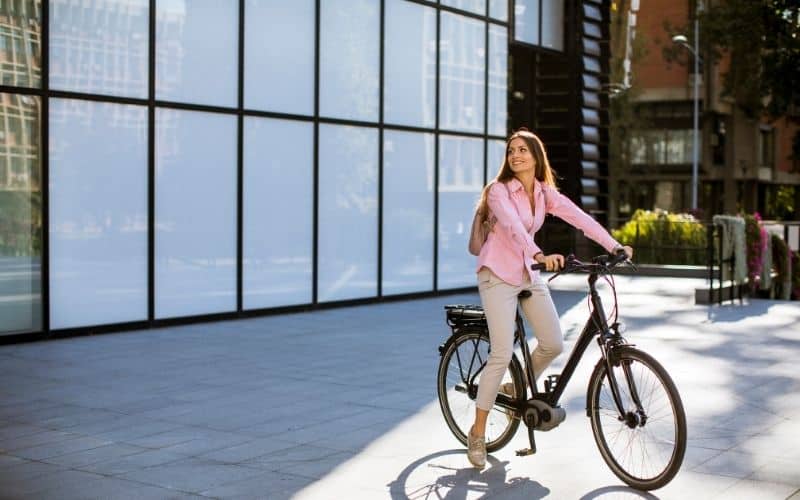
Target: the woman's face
(520, 157)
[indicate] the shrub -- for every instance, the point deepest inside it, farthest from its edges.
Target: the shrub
(660, 237)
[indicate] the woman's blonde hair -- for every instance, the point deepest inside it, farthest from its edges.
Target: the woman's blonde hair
(542, 170)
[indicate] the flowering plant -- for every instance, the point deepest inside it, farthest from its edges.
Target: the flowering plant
(756, 242)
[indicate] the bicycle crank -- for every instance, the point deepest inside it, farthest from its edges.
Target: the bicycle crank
(543, 417)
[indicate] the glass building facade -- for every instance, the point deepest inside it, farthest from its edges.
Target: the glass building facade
(309, 152)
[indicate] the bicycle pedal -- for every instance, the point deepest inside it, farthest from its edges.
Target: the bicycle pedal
(525, 452)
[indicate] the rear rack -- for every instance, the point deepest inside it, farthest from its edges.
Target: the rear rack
(460, 315)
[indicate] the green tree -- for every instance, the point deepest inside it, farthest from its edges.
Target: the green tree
(762, 40)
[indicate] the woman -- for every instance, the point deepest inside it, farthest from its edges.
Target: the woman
(519, 197)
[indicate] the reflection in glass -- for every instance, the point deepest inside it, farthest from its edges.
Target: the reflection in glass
(462, 63)
(195, 244)
(408, 163)
(98, 213)
(348, 212)
(498, 9)
(409, 85)
(21, 43)
(349, 59)
(526, 21)
(553, 24)
(475, 6)
(278, 212)
(279, 56)
(197, 47)
(495, 157)
(20, 214)
(498, 79)
(460, 182)
(99, 47)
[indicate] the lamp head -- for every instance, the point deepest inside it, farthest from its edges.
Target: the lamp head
(680, 39)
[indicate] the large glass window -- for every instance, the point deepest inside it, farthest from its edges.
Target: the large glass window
(20, 43)
(348, 213)
(349, 59)
(408, 163)
(100, 47)
(460, 183)
(278, 213)
(475, 6)
(98, 213)
(463, 63)
(498, 79)
(409, 87)
(197, 47)
(553, 24)
(195, 245)
(20, 214)
(498, 9)
(526, 21)
(279, 56)
(495, 156)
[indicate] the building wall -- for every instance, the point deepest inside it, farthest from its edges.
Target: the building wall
(300, 155)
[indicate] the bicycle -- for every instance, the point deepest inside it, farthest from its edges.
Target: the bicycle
(636, 413)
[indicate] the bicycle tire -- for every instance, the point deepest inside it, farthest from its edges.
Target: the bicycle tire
(619, 439)
(458, 407)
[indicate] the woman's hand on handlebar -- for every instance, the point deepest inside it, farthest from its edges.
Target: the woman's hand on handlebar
(628, 251)
(552, 262)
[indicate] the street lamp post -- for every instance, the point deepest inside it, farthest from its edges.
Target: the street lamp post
(681, 40)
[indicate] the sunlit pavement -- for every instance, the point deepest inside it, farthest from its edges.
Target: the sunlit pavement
(341, 404)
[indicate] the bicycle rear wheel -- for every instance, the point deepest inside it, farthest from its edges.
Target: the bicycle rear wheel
(458, 379)
(645, 449)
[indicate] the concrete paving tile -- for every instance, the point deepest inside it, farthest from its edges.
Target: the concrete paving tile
(129, 463)
(14, 430)
(136, 430)
(732, 463)
(778, 470)
(272, 485)
(46, 451)
(191, 474)
(246, 451)
(289, 457)
(8, 461)
(30, 440)
(106, 453)
(747, 489)
(26, 470)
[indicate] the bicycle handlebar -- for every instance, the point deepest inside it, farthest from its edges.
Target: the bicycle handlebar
(601, 263)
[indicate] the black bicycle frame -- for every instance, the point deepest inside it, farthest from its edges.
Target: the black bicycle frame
(595, 325)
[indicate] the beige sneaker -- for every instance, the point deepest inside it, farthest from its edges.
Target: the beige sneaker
(476, 450)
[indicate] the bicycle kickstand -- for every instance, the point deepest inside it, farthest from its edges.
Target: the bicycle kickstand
(528, 451)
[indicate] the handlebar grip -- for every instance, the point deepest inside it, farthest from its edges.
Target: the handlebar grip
(538, 267)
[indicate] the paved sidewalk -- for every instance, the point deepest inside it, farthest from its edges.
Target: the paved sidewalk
(342, 404)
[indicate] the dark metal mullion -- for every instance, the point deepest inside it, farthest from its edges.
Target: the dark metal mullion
(315, 214)
(380, 146)
(486, 101)
(240, 167)
(151, 167)
(44, 184)
(436, 159)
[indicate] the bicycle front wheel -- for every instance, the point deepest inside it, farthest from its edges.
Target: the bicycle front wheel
(643, 448)
(459, 376)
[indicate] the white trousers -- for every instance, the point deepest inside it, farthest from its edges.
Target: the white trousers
(500, 301)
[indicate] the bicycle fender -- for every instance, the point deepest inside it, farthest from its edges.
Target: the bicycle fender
(598, 367)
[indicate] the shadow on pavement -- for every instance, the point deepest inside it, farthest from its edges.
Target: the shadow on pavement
(455, 483)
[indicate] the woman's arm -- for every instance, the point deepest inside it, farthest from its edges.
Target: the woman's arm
(563, 208)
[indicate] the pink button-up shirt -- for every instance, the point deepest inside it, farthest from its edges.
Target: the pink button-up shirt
(509, 248)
